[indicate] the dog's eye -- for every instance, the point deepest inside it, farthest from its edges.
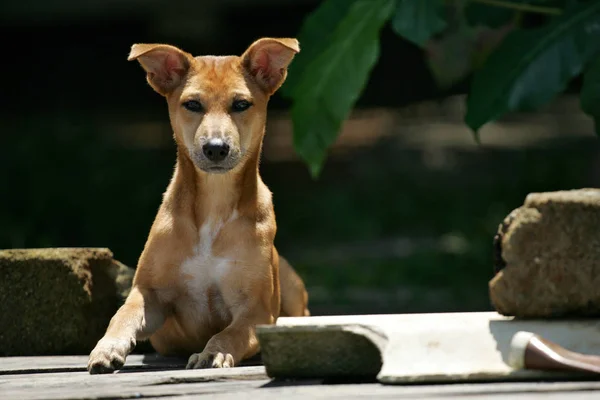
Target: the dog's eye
(193, 106)
(240, 105)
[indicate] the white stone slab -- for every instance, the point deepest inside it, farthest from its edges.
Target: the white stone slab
(447, 346)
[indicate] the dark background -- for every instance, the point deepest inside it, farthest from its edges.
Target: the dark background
(401, 219)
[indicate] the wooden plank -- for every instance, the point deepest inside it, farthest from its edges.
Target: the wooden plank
(503, 391)
(29, 365)
(127, 384)
(137, 362)
(251, 382)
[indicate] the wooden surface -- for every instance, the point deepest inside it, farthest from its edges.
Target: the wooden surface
(151, 377)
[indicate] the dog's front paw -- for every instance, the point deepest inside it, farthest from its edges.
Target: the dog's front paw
(210, 360)
(108, 355)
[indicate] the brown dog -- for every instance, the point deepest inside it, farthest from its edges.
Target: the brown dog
(209, 272)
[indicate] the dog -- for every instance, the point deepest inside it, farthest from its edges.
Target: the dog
(209, 271)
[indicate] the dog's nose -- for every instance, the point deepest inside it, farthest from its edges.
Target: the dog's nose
(215, 150)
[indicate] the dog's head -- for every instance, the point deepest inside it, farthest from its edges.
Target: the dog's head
(217, 105)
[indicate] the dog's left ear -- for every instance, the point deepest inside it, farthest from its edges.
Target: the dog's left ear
(267, 61)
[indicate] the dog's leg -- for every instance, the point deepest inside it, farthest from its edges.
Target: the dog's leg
(137, 319)
(228, 347)
(238, 341)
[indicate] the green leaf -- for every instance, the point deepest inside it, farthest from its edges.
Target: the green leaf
(315, 37)
(418, 20)
(530, 67)
(329, 86)
(590, 92)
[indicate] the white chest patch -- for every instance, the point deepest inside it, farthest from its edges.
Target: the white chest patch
(203, 270)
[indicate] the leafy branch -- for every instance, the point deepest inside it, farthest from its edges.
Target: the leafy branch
(516, 69)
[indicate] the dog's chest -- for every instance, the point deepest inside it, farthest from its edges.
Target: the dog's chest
(203, 274)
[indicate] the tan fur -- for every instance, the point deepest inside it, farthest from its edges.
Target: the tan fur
(209, 272)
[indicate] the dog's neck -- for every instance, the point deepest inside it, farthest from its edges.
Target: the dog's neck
(214, 197)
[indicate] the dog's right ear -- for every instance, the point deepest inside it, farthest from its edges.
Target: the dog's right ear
(165, 65)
